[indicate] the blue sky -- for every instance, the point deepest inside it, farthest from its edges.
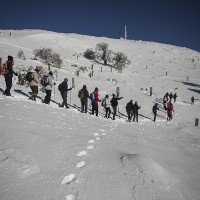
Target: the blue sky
(174, 22)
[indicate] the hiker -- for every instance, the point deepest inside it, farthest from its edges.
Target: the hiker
(47, 82)
(129, 110)
(94, 97)
(114, 104)
(9, 75)
(154, 110)
(107, 106)
(192, 100)
(63, 91)
(165, 103)
(170, 96)
(84, 95)
(175, 96)
(135, 111)
(166, 96)
(170, 109)
(34, 83)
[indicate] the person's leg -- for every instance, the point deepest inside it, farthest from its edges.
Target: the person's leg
(109, 111)
(114, 112)
(48, 96)
(93, 108)
(106, 115)
(97, 109)
(86, 106)
(82, 106)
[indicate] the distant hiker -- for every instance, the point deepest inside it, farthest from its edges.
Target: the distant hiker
(165, 103)
(175, 96)
(107, 106)
(192, 100)
(8, 74)
(129, 110)
(167, 96)
(135, 111)
(94, 97)
(114, 104)
(170, 96)
(83, 94)
(63, 88)
(34, 83)
(154, 110)
(47, 82)
(170, 109)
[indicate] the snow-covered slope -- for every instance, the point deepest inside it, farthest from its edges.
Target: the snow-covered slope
(52, 153)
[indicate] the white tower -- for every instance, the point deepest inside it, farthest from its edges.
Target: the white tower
(125, 36)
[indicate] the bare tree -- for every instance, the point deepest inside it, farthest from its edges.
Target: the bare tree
(21, 55)
(102, 52)
(120, 61)
(89, 54)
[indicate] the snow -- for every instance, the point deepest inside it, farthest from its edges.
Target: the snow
(47, 152)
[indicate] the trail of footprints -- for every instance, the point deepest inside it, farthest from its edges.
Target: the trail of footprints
(73, 177)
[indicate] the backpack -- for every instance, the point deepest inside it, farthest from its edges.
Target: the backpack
(29, 76)
(103, 102)
(60, 87)
(45, 81)
(92, 97)
(80, 94)
(4, 68)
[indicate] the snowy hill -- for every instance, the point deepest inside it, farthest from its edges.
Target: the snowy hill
(53, 153)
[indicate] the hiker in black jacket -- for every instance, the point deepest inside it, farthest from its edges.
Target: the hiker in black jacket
(154, 110)
(129, 110)
(114, 104)
(9, 75)
(135, 111)
(64, 90)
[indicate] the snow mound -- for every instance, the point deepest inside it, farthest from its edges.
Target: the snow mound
(148, 179)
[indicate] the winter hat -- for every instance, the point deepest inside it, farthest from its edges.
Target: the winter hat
(96, 88)
(65, 79)
(50, 73)
(10, 58)
(106, 96)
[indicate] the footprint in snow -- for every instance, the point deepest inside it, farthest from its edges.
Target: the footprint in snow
(91, 141)
(82, 153)
(96, 134)
(81, 164)
(98, 138)
(90, 146)
(70, 197)
(68, 179)
(103, 133)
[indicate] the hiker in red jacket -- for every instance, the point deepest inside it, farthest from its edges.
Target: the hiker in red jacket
(170, 109)
(95, 100)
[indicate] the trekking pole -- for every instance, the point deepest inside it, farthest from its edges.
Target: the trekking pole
(54, 93)
(118, 112)
(70, 96)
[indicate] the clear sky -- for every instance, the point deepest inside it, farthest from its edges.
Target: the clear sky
(174, 22)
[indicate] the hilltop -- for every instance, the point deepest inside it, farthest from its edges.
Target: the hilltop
(52, 153)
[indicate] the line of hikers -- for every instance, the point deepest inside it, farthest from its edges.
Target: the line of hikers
(47, 81)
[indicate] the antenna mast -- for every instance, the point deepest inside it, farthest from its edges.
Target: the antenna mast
(125, 36)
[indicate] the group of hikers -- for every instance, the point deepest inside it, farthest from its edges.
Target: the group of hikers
(47, 81)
